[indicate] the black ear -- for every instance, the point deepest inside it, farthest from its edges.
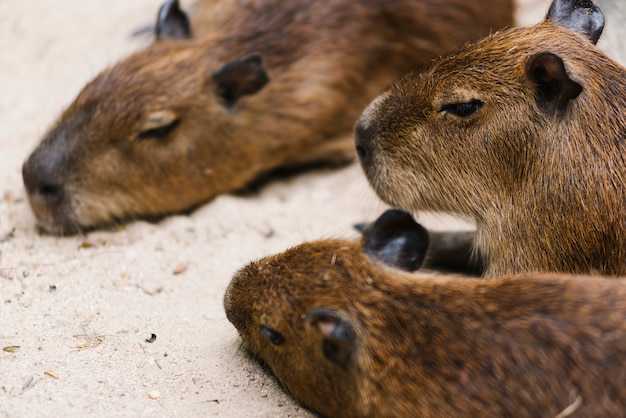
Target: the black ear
(241, 77)
(554, 88)
(172, 22)
(337, 336)
(396, 240)
(580, 16)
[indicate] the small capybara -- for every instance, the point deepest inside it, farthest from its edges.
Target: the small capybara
(349, 334)
(524, 133)
(251, 86)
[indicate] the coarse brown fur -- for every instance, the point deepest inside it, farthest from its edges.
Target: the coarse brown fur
(325, 61)
(432, 346)
(546, 187)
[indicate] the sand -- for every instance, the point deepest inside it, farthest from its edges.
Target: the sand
(129, 322)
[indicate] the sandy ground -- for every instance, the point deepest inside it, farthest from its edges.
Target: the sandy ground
(79, 311)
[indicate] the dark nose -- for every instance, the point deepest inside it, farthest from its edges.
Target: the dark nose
(363, 137)
(42, 182)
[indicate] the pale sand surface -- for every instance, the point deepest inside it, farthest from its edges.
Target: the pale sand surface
(81, 308)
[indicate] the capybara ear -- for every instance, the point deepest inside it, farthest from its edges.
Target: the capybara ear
(580, 16)
(336, 335)
(396, 240)
(241, 77)
(554, 88)
(172, 22)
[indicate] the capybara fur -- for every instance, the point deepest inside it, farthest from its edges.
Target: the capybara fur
(350, 336)
(248, 87)
(523, 133)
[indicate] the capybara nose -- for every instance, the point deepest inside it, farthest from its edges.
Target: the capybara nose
(41, 186)
(50, 193)
(363, 141)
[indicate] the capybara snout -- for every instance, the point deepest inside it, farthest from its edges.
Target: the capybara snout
(46, 173)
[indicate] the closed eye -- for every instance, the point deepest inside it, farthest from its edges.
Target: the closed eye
(275, 337)
(462, 110)
(160, 131)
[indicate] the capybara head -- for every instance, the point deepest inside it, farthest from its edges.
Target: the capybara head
(523, 133)
(134, 131)
(349, 336)
(191, 117)
(290, 309)
(302, 338)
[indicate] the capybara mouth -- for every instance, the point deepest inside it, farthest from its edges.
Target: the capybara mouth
(53, 219)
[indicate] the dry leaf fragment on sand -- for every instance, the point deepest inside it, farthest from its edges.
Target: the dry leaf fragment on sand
(179, 269)
(89, 341)
(85, 244)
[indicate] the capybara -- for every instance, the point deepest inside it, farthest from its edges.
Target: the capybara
(251, 86)
(350, 336)
(523, 133)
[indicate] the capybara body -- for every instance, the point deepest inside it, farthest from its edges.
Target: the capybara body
(253, 86)
(524, 133)
(352, 337)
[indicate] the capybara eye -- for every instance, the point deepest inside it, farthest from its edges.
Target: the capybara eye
(159, 132)
(462, 109)
(275, 337)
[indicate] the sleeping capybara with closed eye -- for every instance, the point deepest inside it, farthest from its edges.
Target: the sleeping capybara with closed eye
(349, 333)
(523, 133)
(249, 87)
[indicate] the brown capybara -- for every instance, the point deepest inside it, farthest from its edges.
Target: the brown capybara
(349, 336)
(523, 133)
(261, 85)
